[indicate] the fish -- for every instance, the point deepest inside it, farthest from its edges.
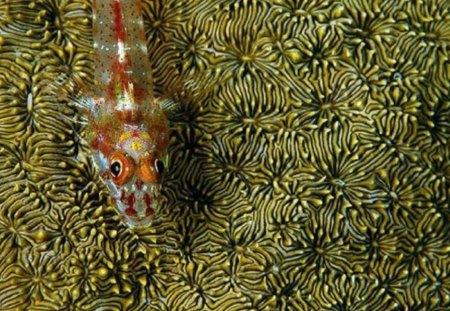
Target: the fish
(127, 128)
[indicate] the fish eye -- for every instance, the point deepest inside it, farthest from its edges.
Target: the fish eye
(151, 168)
(115, 168)
(121, 168)
(159, 166)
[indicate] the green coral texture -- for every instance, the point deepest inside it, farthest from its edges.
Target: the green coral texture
(309, 160)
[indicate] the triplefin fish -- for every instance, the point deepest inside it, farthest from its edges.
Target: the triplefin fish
(126, 128)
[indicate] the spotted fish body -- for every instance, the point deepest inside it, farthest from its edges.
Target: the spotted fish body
(127, 130)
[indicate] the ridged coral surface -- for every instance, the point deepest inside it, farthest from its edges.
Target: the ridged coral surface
(309, 160)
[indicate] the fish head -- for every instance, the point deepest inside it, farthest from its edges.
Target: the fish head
(133, 170)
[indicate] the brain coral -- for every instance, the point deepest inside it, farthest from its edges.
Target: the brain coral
(309, 160)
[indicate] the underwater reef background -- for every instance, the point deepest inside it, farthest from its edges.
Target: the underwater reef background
(309, 160)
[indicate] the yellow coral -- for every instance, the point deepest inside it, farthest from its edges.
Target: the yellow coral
(309, 160)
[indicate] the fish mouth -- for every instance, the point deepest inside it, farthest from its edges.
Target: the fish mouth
(138, 203)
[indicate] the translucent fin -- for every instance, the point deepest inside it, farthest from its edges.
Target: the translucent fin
(201, 84)
(67, 89)
(169, 105)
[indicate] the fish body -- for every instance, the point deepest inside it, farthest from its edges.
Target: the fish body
(127, 129)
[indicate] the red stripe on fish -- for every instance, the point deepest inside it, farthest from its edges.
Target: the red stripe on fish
(130, 211)
(118, 19)
(122, 65)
